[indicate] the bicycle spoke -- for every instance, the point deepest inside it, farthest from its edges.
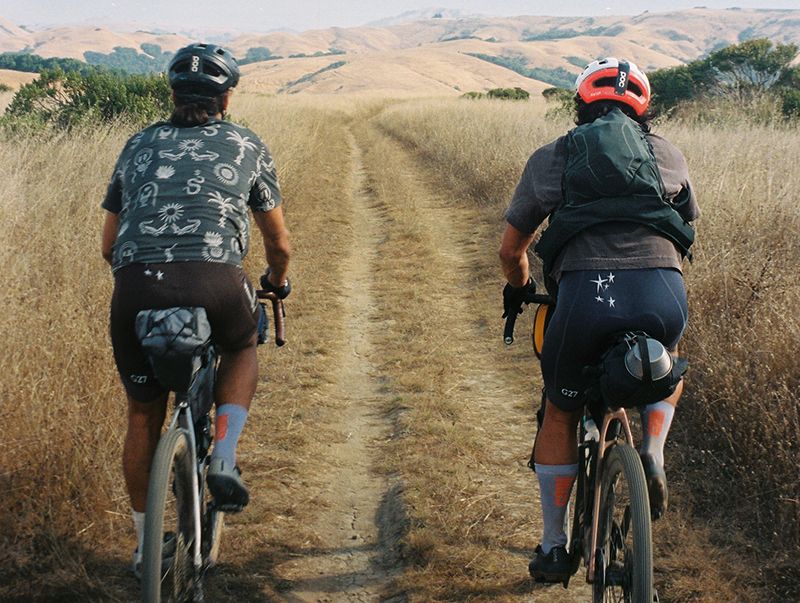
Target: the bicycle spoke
(626, 522)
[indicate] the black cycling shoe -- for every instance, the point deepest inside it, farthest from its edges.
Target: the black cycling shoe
(226, 486)
(656, 486)
(554, 567)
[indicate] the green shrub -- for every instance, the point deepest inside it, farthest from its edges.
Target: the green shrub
(67, 99)
(790, 103)
(515, 93)
(559, 95)
(562, 101)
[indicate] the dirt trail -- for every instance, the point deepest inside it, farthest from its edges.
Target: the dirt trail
(359, 501)
(491, 515)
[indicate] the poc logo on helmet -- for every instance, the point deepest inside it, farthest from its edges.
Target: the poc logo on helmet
(195, 64)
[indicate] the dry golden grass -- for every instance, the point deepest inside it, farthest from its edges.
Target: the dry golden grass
(15, 79)
(62, 422)
(459, 405)
(742, 412)
(477, 147)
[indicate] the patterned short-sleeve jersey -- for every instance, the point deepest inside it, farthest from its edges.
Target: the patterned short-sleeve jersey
(182, 194)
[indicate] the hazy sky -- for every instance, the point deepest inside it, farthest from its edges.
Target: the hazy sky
(263, 15)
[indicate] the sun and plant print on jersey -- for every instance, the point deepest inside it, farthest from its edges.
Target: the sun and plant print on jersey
(182, 194)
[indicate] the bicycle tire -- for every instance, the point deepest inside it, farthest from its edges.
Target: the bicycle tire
(169, 508)
(214, 522)
(624, 555)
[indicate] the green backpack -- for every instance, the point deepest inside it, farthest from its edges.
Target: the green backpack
(611, 175)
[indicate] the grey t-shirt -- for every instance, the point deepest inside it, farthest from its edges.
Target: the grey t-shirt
(616, 245)
(182, 194)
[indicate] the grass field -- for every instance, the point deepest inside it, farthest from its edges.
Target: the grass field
(416, 189)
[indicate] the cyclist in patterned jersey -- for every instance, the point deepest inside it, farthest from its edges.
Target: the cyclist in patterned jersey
(611, 275)
(175, 233)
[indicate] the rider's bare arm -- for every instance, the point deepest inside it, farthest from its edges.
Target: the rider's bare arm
(110, 228)
(514, 256)
(276, 243)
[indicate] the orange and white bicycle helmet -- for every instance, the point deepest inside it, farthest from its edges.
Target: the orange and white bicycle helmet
(617, 80)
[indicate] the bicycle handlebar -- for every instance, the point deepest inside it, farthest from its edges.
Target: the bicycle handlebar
(511, 319)
(278, 315)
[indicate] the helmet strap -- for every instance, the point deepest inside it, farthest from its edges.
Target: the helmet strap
(623, 74)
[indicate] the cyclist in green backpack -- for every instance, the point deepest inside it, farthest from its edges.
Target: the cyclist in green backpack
(619, 204)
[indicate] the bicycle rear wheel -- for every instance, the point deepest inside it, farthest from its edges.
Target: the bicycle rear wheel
(170, 500)
(624, 555)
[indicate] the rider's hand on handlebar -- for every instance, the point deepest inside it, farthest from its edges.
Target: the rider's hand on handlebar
(281, 291)
(514, 297)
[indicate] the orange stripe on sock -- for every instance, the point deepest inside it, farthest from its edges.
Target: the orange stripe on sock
(655, 422)
(222, 428)
(563, 489)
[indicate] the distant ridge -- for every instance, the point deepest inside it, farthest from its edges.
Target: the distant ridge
(410, 16)
(441, 51)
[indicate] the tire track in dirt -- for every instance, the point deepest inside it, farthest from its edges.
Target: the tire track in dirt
(488, 517)
(356, 527)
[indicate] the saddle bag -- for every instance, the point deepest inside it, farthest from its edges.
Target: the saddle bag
(177, 342)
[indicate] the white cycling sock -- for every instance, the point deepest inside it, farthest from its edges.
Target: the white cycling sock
(656, 421)
(555, 487)
(138, 523)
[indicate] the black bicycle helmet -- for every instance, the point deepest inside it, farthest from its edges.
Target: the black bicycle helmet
(203, 69)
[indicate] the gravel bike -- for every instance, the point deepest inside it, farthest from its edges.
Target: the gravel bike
(611, 529)
(178, 504)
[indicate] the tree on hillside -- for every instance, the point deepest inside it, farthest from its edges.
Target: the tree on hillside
(684, 82)
(751, 67)
(33, 63)
(258, 53)
(151, 60)
(754, 64)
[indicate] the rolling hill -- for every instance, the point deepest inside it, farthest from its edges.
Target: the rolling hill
(15, 79)
(422, 54)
